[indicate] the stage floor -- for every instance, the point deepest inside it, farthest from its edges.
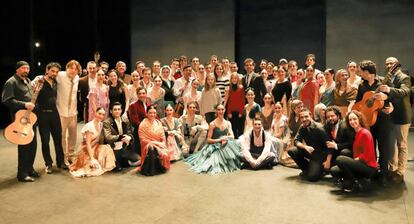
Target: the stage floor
(180, 196)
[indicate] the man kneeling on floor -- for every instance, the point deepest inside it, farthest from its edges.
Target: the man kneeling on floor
(310, 149)
(118, 134)
(257, 147)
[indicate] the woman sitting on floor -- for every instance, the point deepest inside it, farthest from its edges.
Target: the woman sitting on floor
(154, 153)
(222, 153)
(175, 139)
(93, 158)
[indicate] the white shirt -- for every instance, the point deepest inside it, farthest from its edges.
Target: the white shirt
(257, 141)
(118, 145)
(180, 83)
(249, 78)
(91, 82)
(65, 107)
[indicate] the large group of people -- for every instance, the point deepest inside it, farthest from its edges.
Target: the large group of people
(218, 120)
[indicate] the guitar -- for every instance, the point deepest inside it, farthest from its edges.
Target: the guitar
(20, 132)
(368, 105)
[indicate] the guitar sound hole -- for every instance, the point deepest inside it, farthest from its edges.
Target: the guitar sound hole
(24, 120)
(370, 103)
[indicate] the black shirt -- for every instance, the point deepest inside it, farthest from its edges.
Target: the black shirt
(314, 136)
(281, 89)
(16, 92)
(364, 87)
(46, 101)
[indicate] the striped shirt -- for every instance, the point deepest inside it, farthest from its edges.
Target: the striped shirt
(222, 83)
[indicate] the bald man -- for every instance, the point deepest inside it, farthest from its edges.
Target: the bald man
(397, 86)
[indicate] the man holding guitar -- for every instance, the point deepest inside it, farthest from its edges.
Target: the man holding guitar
(17, 95)
(397, 87)
(382, 138)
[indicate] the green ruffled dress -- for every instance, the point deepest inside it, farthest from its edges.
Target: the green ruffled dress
(216, 158)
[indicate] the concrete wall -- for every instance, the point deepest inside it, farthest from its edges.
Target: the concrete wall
(166, 29)
(282, 29)
(375, 30)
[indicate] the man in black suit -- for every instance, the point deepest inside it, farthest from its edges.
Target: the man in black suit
(118, 134)
(85, 83)
(254, 81)
(340, 137)
(397, 86)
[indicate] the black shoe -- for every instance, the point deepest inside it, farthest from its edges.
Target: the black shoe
(384, 182)
(355, 187)
(339, 182)
(269, 166)
(34, 174)
(26, 179)
(117, 169)
(49, 169)
(63, 166)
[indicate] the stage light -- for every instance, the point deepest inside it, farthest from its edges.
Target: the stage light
(37, 44)
(39, 63)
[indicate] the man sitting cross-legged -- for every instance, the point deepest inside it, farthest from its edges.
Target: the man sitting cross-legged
(258, 147)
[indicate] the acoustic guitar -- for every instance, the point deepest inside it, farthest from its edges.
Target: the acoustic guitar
(20, 132)
(368, 105)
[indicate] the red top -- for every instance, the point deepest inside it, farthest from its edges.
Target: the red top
(137, 112)
(308, 92)
(236, 101)
(364, 148)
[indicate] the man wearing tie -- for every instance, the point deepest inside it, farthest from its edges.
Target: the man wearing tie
(254, 81)
(340, 139)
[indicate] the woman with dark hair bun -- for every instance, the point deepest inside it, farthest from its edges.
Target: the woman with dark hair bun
(94, 158)
(118, 91)
(175, 139)
(222, 153)
(154, 152)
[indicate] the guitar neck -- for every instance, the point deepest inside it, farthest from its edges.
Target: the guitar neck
(38, 87)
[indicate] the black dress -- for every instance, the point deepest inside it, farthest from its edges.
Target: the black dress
(116, 94)
(169, 92)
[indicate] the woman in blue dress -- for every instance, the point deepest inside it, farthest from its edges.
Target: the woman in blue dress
(222, 153)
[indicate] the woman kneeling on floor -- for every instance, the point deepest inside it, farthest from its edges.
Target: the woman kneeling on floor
(363, 165)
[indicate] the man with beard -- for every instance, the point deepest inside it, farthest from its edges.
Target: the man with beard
(340, 138)
(48, 117)
(17, 95)
(397, 87)
(310, 149)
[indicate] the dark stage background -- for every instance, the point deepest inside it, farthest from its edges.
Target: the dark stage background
(336, 31)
